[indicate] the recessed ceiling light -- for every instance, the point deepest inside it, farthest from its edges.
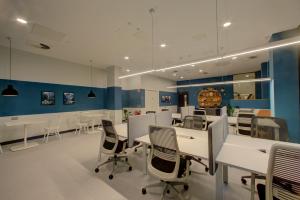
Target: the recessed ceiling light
(22, 21)
(127, 70)
(181, 77)
(163, 45)
(233, 58)
(200, 70)
(247, 75)
(226, 24)
(126, 58)
(174, 74)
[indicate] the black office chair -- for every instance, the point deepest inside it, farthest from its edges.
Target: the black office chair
(283, 175)
(165, 161)
(196, 123)
(202, 114)
(113, 147)
(244, 122)
(266, 133)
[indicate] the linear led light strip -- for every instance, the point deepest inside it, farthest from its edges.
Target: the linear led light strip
(222, 83)
(275, 46)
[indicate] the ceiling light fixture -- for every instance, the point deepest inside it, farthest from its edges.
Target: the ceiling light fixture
(126, 58)
(226, 24)
(273, 45)
(10, 90)
(222, 83)
(91, 94)
(192, 65)
(127, 70)
(234, 58)
(181, 77)
(22, 21)
(200, 70)
(163, 45)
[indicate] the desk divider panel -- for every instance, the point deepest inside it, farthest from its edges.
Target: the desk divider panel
(224, 110)
(138, 126)
(163, 118)
(216, 138)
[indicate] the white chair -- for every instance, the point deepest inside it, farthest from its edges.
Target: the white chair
(165, 161)
(283, 175)
(82, 124)
(53, 128)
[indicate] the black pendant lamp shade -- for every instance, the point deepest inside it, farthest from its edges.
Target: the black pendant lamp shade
(91, 94)
(10, 90)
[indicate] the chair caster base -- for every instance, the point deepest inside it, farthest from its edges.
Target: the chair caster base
(144, 191)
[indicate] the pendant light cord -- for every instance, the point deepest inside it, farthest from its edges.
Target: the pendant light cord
(91, 77)
(9, 57)
(151, 11)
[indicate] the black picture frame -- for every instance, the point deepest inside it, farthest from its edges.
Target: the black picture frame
(69, 98)
(47, 98)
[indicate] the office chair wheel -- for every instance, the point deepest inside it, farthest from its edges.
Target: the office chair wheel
(96, 170)
(244, 181)
(144, 191)
(168, 191)
(186, 187)
(130, 168)
(110, 176)
(135, 150)
(126, 159)
(206, 169)
(190, 172)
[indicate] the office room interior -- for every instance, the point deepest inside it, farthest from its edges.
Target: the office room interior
(139, 99)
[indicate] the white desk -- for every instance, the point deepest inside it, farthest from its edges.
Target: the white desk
(92, 117)
(212, 118)
(269, 123)
(24, 123)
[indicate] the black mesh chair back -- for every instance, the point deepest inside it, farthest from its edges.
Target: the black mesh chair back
(193, 122)
(202, 114)
(150, 111)
(283, 177)
(164, 156)
(110, 141)
(266, 132)
(244, 120)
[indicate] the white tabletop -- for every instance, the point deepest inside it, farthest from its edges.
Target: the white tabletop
(92, 115)
(267, 122)
(212, 118)
(20, 122)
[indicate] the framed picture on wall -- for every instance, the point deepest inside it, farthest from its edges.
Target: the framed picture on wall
(47, 98)
(68, 98)
(166, 99)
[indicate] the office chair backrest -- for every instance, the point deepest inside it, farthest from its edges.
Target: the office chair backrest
(202, 114)
(150, 111)
(268, 132)
(164, 158)
(193, 122)
(110, 139)
(244, 120)
(283, 176)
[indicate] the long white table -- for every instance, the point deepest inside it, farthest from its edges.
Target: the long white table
(25, 123)
(92, 117)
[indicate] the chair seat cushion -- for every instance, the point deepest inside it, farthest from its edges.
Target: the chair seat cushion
(169, 166)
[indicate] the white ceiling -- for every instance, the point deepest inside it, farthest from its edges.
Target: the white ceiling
(107, 30)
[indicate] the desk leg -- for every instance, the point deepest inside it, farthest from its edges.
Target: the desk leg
(145, 158)
(225, 174)
(252, 186)
(25, 145)
(219, 183)
(277, 134)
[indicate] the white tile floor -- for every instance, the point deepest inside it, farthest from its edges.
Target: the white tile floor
(64, 170)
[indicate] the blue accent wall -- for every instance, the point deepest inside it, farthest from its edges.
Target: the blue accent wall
(227, 95)
(265, 86)
(133, 98)
(113, 98)
(173, 95)
(29, 99)
(284, 70)
(255, 103)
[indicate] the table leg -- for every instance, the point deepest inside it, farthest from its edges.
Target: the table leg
(219, 183)
(225, 174)
(25, 144)
(145, 148)
(252, 186)
(277, 134)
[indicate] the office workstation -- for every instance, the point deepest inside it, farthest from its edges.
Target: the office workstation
(150, 100)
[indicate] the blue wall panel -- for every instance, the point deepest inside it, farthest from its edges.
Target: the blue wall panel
(113, 98)
(133, 98)
(29, 99)
(257, 104)
(174, 98)
(227, 95)
(265, 86)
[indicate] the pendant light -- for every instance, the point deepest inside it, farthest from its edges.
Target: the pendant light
(10, 90)
(91, 94)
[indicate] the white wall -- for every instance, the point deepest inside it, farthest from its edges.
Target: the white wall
(150, 82)
(32, 67)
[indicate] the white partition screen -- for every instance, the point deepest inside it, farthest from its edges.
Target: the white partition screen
(163, 118)
(138, 126)
(224, 110)
(215, 142)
